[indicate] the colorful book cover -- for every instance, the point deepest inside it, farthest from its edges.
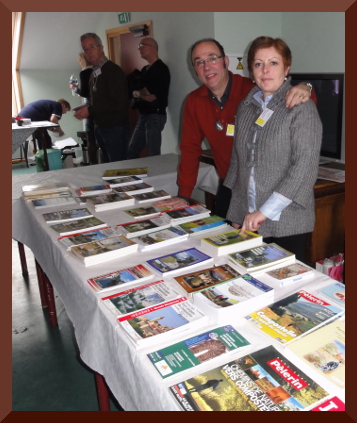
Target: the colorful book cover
(144, 211)
(197, 226)
(126, 276)
(134, 188)
(63, 215)
(325, 351)
(332, 404)
(88, 236)
(293, 316)
(180, 260)
(116, 197)
(124, 180)
(187, 212)
(115, 173)
(291, 273)
(160, 237)
(264, 380)
(205, 278)
(196, 350)
(149, 225)
(226, 242)
(151, 196)
(78, 225)
(335, 292)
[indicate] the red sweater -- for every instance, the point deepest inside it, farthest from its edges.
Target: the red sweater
(200, 116)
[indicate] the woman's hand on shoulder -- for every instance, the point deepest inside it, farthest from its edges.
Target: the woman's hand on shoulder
(297, 94)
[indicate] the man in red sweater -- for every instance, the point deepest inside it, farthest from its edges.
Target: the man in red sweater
(209, 113)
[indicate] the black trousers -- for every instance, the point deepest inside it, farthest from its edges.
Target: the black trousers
(223, 199)
(294, 243)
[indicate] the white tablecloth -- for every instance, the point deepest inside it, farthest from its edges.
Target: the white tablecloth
(102, 344)
(21, 133)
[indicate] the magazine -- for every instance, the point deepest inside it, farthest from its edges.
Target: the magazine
(293, 316)
(264, 380)
(196, 350)
(127, 277)
(179, 261)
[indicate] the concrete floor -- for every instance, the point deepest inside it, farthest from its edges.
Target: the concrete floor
(47, 372)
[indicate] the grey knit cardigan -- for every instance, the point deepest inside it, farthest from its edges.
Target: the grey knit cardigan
(286, 159)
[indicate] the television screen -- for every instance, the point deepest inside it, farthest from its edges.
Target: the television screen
(329, 90)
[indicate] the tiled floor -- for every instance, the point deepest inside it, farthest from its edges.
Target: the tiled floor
(48, 374)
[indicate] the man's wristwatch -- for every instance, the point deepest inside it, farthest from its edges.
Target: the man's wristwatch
(309, 85)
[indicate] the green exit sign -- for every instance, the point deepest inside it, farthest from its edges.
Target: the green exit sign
(123, 17)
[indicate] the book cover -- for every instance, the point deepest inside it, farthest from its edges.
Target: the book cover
(293, 316)
(183, 214)
(87, 236)
(65, 215)
(331, 404)
(291, 273)
(160, 238)
(109, 199)
(179, 261)
(264, 380)
(135, 189)
(124, 180)
(142, 227)
(144, 211)
(324, 350)
(93, 190)
(232, 241)
(81, 225)
(335, 292)
(196, 350)
(139, 298)
(42, 203)
(151, 196)
(126, 277)
(260, 257)
(152, 325)
(196, 227)
(115, 173)
(45, 188)
(205, 278)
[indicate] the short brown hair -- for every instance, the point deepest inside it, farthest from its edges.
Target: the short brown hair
(265, 42)
(64, 103)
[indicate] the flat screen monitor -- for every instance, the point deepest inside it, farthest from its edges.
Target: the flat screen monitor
(329, 89)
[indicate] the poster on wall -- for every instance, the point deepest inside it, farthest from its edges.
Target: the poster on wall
(238, 64)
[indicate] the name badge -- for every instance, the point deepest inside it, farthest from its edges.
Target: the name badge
(97, 72)
(264, 117)
(230, 130)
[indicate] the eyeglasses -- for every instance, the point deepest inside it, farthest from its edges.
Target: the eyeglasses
(90, 47)
(143, 44)
(210, 61)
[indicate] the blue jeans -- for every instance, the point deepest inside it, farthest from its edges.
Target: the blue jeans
(147, 133)
(113, 142)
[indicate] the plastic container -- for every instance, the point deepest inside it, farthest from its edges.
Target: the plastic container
(54, 160)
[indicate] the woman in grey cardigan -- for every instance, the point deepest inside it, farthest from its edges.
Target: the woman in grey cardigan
(275, 156)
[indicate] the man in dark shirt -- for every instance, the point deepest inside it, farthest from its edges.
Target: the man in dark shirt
(109, 101)
(41, 110)
(151, 101)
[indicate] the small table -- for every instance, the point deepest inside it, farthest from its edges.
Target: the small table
(21, 133)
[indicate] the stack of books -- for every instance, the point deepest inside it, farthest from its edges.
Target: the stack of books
(75, 226)
(110, 201)
(145, 212)
(110, 174)
(135, 188)
(42, 203)
(93, 190)
(202, 226)
(143, 227)
(186, 214)
(54, 190)
(152, 196)
(106, 249)
(124, 180)
(66, 215)
(81, 238)
(161, 238)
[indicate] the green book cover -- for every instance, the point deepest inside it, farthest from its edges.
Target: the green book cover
(194, 351)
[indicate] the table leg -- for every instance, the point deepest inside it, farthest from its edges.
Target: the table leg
(22, 259)
(44, 147)
(102, 393)
(50, 300)
(41, 284)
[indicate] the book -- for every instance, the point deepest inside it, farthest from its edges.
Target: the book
(151, 196)
(110, 201)
(331, 404)
(124, 180)
(75, 226)
(205, 278)
(289, 274)
(109, 174)
(93, 190)
(160, 238)
(38, 189)
(324, 350)
(335, 292)
(106, 249)
(70, 241)
(201, 226)
(264, 380)
(139, 298)
(66, 215)
(135, 189)
(234, 298)
(61, 194)
(179, 261)
(229, 242)
(164, 321)
(142, 227)
(261, 257)
(293, 316)
(42, 203)
(198, 349)
(186, 214)
(127, 277)
(145, 212)
(335, 175)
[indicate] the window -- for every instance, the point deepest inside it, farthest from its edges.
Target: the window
(18, 21)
